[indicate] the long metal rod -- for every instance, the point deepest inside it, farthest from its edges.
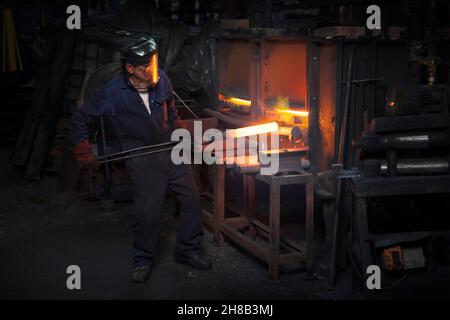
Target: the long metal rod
(106, 167)
(342, 145)
(343, 133)
(367, 80)
(137, 149)
(181, 100)
(134, 155)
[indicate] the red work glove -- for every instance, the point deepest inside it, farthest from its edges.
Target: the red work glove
(84, 155)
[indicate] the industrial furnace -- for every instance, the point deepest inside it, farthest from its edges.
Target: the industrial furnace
(264, 80)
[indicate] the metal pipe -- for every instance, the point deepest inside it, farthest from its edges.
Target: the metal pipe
(137, 149)
(405, 167)
(341, 151)
(348, 89)
(181, 100)
(364, 81)
(106, 166)
(293, 132)
(135, 155)
(428, 140)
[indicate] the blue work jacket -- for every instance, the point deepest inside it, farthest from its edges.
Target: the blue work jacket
(124, 112)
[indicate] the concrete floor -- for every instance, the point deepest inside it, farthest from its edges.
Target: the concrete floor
(39, 240)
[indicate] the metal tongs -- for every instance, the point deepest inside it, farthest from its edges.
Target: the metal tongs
(156, 148)
(123, 155)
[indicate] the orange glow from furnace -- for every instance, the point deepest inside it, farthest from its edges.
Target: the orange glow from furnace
(282, 106)
(248, 160)
(253, 130)
(241, 102)
(236, 101)
(297, 113)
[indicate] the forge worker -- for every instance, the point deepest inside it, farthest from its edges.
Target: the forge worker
(139, 106)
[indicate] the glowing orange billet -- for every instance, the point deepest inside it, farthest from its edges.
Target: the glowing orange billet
(234, 100)
(242, 145)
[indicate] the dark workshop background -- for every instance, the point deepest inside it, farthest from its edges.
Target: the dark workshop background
(50, 219)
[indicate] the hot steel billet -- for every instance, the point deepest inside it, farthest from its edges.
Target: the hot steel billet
(285, 165)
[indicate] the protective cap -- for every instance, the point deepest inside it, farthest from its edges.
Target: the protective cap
(138, 51)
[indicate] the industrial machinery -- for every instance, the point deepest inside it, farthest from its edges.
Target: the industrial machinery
(377, 137)
(403, 156)
(413, 139)
(262, 80)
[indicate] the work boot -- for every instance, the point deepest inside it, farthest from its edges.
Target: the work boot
(141, 273)
(196, 261)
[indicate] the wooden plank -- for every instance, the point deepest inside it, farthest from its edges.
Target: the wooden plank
(48, 123)
(284, 242)
(292, 258)
(285, 179)
(208, 218)
(219, 202)
(249, 201)
(274, 232)
(243, 241)
(301, 247)
(309, 227)
(28, 132)
(240, 223)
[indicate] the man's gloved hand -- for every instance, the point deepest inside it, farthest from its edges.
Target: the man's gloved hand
(84, 155)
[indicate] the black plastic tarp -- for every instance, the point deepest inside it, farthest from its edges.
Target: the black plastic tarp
(190, 61)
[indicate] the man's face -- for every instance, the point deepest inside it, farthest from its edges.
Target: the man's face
(146, 73)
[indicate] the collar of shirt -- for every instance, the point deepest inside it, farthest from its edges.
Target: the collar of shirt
(155, 94)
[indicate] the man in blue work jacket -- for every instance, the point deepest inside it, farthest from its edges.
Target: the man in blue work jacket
(139, 106)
